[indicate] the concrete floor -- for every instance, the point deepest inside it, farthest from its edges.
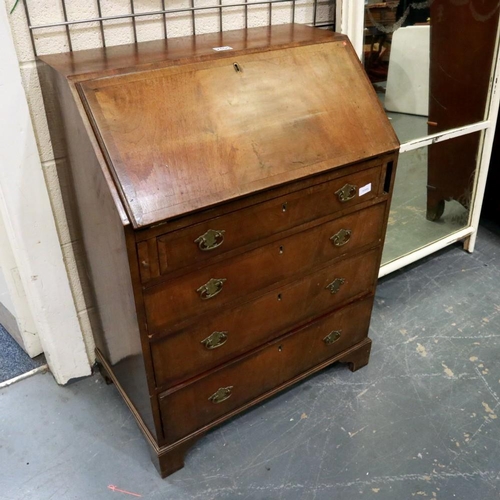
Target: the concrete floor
(420, 421)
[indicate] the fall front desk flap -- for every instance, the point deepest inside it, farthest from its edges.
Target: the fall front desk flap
(189, 136)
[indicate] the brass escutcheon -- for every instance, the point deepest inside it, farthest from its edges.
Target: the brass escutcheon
(346, 192)
(211, 288)
(341, 238)
(210, 240)
(335, 285)
(332, 337)
(221, 394)
(216, 339)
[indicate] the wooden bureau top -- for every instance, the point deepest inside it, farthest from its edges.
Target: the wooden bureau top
(184, 127)
(144, 55)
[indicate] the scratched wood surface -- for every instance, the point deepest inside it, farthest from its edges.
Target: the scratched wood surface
(246, 124)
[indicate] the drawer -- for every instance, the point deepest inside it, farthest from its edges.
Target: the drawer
(215, 286)
(187, 353)
(200, 242)
(201, 402)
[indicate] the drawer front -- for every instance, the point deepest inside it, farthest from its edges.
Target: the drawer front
(198, 404)
(187, 353)
(214, 286)
(200, 242)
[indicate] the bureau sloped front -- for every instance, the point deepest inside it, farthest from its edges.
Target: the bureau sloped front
(236, 132)
(205, 400)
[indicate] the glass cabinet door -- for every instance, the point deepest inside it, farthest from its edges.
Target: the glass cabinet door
(431, 64)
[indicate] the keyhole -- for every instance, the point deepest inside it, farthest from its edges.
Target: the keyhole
(284, 207)
(279, 296)
(280, 348)
(236, 67)
(281, 250)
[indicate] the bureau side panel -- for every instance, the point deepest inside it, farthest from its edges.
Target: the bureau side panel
(107, 263)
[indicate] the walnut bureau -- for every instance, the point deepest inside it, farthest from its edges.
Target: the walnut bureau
(233, 205)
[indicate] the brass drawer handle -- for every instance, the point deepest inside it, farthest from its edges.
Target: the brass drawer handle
(346, 192)
(332, 337)
(341, 238)
(335, 285)
(210, 240)
(211, 288)
(216, 339)
(221, 394)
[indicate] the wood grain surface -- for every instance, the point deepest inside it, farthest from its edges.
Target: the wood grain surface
(245, 125)
(179, 249)
(260, 372)
(256, 271)
(171, 139)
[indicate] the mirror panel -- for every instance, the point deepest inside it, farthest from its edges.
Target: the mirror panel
(432, 194)
(430, 62)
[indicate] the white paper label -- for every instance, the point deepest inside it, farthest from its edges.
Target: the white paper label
(365, 189)
(223, 48)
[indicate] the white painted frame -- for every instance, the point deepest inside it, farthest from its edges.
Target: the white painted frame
(29, 224)
(350, 20)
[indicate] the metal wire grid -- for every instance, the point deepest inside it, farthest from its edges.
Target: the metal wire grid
(165, 12)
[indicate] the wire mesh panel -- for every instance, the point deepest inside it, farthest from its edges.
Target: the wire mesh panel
(111, 22)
